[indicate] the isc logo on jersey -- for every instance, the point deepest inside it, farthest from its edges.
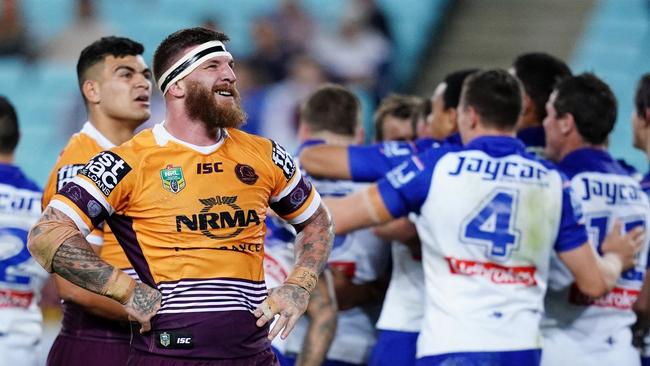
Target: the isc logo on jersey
(106, 169)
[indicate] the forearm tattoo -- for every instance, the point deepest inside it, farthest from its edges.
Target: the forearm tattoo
(75, 259)
(314, 242)
(145, 301)
(77, 262)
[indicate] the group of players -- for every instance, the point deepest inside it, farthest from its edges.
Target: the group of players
(161, 244)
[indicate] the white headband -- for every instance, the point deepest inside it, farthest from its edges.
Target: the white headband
(189, 62)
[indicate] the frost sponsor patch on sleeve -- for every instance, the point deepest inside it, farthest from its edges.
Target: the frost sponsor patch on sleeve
(106, 170)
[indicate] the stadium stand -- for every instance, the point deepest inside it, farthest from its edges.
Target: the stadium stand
(44, 93)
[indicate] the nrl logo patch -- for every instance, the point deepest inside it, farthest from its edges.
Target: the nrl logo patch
(165, 339)
(172, 179)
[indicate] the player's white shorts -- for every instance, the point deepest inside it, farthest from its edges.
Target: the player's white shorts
(579, 349)
(17, 349)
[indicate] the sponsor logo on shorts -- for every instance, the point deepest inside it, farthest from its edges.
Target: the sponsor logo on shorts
(66, 173)
(493, 272)
(246, 174)
(174, 340)
(106, 170)
(618, 298)
(172, 178)
(283, 160)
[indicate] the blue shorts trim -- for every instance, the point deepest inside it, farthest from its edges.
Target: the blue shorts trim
(291, 361)
(510, 358)
(645, 361)
(394, 348)
(284, 361)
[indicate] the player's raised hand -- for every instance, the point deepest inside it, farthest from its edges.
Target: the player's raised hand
(143, 305)
(624, 245)
(289, 301)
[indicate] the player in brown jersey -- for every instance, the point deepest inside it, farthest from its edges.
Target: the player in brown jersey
(187, 201)
(115, 84)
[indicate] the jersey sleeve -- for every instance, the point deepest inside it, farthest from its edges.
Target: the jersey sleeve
(294, 197)
(101, 188)
(50, 189)
(371, 163)
(405, 188)
(572, 232)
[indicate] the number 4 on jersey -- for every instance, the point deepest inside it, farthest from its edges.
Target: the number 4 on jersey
(492, 225)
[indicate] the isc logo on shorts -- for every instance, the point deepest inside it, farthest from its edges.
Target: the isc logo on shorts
(106, 169)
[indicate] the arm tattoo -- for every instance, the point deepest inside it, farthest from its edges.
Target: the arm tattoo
(77, 262)
(145, 301)
(75, 259)
(314, 241)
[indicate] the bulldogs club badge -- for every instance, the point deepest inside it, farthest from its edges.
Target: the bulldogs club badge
(172, 178)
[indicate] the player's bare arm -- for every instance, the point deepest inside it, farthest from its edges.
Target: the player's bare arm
(93, 303)
(324, 160)
(595, 275)
(60, 247)
(363, 208)
(641, 308)
(312, 248)
(322, 312)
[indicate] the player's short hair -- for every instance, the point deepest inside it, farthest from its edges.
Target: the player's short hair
(106, 46)
(9, 131)
(539, 73)
(332, 108)
(422, 111)
(454, 81)
(495, 95)
(396, 105)
(171, 47)
(591, 103)
(642, 95)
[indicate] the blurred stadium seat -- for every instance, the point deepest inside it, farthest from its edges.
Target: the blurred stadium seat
(616, 46)
(43, 92)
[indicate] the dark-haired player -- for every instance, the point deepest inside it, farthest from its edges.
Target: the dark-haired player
(115, 83)
(369, 163)
(21, 278)
(538, 72)
(641, 129)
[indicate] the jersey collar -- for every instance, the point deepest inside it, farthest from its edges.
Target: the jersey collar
(94, 133)
(590, 160)
(497, 145)
(163, 136)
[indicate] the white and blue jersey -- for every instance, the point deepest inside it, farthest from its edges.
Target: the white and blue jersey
(491, 214)
(403, 308)
(371, 163)
(21, 278)
(362, 256)
(645, 352)
(577, 328)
